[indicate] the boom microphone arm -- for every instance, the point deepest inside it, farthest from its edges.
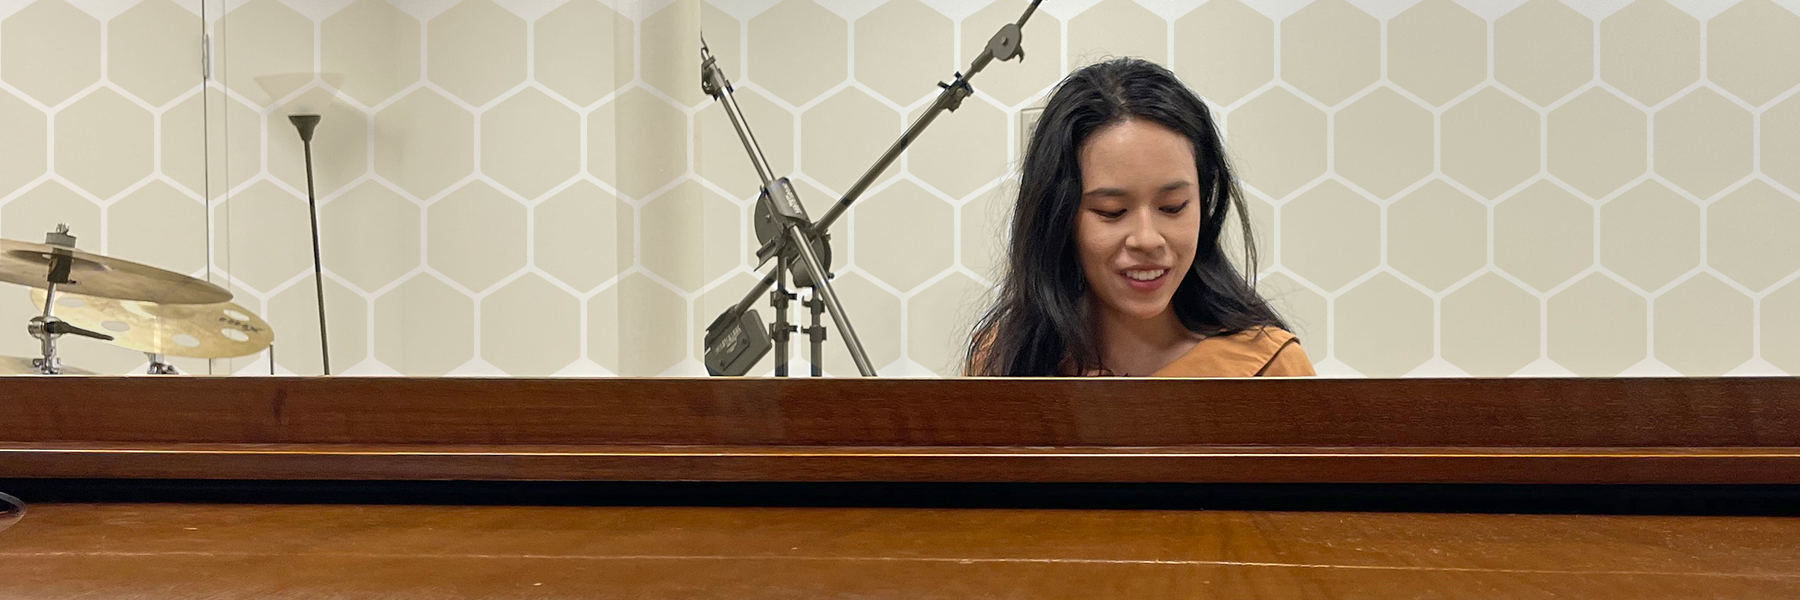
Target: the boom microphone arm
(781, 205)
(1005, 45)
(725, 331)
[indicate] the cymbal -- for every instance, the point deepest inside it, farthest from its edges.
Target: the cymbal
(12, 365)
(220, 330)
(27, 263)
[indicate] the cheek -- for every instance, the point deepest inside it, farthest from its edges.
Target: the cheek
(1094, 241)
(1183, 235)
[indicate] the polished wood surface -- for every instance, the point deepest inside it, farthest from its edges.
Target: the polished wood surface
(1735, 430)
(908, 412)
(1196, 464)
(214, 551)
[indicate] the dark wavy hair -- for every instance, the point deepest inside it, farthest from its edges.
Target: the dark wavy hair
(1039, 322)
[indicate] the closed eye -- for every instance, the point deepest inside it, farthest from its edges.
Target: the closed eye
(1174, 210)
(1109, 214)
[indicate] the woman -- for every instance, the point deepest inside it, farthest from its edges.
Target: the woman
(1115, 265)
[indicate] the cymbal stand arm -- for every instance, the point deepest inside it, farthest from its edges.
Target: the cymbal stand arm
(47, 328)
(44, 326)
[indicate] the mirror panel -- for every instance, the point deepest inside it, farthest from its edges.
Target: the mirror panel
(528, 189)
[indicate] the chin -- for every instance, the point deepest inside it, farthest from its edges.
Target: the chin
(1141, 310)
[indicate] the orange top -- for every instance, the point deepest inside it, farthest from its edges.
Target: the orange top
(1264, 352)
(1261, 352)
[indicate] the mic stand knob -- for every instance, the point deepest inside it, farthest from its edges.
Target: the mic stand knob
(1005, 43)
(959, 89)
(781, 331)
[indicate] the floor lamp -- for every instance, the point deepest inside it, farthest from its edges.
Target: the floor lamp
(305, 124)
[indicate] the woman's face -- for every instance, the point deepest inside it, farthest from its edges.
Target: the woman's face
(1140, 216)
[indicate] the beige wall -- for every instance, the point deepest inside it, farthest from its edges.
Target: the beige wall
(538, 186)
(101, 127)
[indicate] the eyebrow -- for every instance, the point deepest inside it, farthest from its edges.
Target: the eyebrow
(1114, 192)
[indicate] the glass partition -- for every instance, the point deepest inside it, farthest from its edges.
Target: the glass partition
(11, 510)
(102, 128)
(528, 189)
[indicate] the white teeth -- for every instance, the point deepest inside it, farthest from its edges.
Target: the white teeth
(1146, 275)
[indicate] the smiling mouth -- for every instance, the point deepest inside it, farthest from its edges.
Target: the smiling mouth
(1145, 275)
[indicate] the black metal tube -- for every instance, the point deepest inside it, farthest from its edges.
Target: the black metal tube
(822, 287)
(761, 162)
(945, 99)
(816, 334)
(887, 159)
(779, 329)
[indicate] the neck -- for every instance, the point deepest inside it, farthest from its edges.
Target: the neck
(1134, 347)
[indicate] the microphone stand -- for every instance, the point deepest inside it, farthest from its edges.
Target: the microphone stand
(787, 234)
(305, 124)
(1005, 45)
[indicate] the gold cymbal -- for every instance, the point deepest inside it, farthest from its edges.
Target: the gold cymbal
(221, 330)
(27, 263)
(12, 365)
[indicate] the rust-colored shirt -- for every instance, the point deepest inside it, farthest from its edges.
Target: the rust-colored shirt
(1265, 352)
(1262, 352)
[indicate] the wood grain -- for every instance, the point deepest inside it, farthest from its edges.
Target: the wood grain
(260, 551)
(1199, 464)
(1735, 430)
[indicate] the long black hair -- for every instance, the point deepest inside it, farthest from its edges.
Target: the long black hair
(1039, 321)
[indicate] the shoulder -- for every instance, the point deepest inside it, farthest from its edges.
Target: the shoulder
(1261, 351)
(1285, 357)
(1259, 339)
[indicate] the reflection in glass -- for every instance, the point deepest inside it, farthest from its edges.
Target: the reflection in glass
(11, 510)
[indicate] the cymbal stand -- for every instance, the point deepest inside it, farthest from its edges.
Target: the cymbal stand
(787, 234)
(158, 366)
(46, 327)
(43, 328)
(1005, 45)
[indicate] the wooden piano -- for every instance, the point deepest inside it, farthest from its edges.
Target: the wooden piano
(201, 487)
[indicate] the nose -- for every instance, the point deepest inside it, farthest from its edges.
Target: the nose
(1144, 237)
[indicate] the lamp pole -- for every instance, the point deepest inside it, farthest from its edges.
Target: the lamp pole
(305, 124)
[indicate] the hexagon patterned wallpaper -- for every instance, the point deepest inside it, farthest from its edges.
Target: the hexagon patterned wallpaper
(539, 187)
